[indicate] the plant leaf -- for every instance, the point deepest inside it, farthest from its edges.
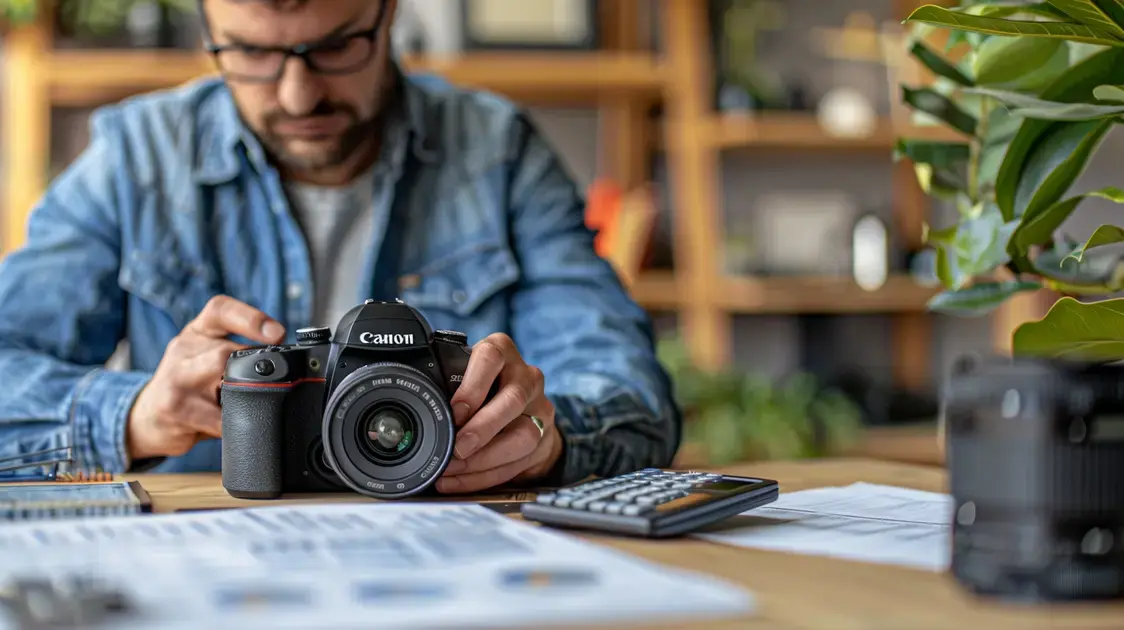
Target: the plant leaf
(1057, 161)
(1030, 107)
(1114, 9)
(1076, 85)
(978, 299)
(1039, 228)
(1103, 235)
(938, 65)
(1020, 63)
(1099, 271)
(1109, 93)
(939, 106)
(1071, 31)
(1007, 9)
(1075, 330)
(941, 167)
(979, 246)
(1088, 13)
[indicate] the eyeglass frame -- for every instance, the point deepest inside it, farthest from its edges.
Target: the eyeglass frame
(302, 51)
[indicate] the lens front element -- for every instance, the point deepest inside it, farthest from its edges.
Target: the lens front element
(388, 433)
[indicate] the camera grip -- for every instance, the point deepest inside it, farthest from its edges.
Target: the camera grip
(252, 436)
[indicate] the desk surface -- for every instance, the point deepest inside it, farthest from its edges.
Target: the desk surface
(793, 592)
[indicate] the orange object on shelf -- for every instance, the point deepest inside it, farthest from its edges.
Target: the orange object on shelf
(603, 206)
(624, 222)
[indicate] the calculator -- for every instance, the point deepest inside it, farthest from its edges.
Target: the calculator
(651, 503)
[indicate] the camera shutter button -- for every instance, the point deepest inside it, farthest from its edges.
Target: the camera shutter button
(313, 336)
(454, 336)
(264, 367)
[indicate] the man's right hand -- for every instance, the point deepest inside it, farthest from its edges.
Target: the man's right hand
(178, 407)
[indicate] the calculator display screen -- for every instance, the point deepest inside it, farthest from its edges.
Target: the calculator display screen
(728, 486)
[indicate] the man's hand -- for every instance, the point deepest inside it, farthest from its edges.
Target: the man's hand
(499, 442)
(178, 407)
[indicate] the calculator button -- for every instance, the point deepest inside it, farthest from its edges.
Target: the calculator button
(563, 501)
(633, 510)
(614, 507)
(598, 506)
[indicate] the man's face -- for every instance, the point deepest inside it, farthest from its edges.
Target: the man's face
(306, 119)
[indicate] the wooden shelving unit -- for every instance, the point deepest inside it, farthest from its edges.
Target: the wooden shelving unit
(623, 81)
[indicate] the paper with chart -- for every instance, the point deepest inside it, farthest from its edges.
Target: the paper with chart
(390, 565)
(863, 522)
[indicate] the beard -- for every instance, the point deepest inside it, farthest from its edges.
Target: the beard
(331, 151)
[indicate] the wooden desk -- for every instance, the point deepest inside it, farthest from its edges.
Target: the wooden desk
(793, 592)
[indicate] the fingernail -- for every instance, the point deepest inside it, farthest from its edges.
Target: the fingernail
(455, 466)
(272, 330)
(466, 445)
(460, 413)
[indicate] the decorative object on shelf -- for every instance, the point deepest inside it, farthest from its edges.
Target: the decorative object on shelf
(865, 53)
(624, 222)
(731, 415)
(799, 100)
(805, 232)
(529, 24)
(742, 84)
(408, 35)
(870, 252)
(922, 267)
(1030, 126)
(845, 112)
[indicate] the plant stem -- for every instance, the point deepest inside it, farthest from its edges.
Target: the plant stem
(976, 149)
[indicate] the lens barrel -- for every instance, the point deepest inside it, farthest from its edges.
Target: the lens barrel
(1035, 460)
(388, 431)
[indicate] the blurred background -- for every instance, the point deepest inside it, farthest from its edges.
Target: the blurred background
(738, 160)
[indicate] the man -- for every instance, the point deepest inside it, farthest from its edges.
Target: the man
(310, 176)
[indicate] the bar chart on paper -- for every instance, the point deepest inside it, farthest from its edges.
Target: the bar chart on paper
(861, 522)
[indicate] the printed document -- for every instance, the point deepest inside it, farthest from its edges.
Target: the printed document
(389, 565)
(862, 522)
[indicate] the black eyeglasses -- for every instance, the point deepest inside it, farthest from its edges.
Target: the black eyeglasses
(344, 54)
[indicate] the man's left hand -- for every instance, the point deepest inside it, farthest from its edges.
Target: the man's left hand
(499, 442)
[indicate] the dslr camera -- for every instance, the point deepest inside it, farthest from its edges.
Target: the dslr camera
(365, 410)
(1035, 455)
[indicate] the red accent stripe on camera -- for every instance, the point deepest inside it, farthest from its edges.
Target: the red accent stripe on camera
(289, 384)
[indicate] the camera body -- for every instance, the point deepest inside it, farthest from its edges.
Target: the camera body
(366, 409)
(1035, 453)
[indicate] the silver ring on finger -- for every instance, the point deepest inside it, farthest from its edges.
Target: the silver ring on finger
(538, 424)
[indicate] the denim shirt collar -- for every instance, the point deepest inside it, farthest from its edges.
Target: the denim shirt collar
(223, 137)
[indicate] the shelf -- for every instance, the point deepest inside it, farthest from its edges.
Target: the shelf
(789, 295)
(797, 131)
(657, 290)
(87, 78)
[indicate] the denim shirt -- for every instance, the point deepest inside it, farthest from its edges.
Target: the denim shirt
(173, 202)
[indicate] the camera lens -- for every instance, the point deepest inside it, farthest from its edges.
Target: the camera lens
(388, 430)
(388, 433)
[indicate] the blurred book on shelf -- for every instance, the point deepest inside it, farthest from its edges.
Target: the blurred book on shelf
(624, 222)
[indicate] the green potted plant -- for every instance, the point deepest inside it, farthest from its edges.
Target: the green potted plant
(1039, 88)
(733, 416)
(143, 22)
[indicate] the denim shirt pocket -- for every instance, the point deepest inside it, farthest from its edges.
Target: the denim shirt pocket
(171, 286)
(457, 289)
